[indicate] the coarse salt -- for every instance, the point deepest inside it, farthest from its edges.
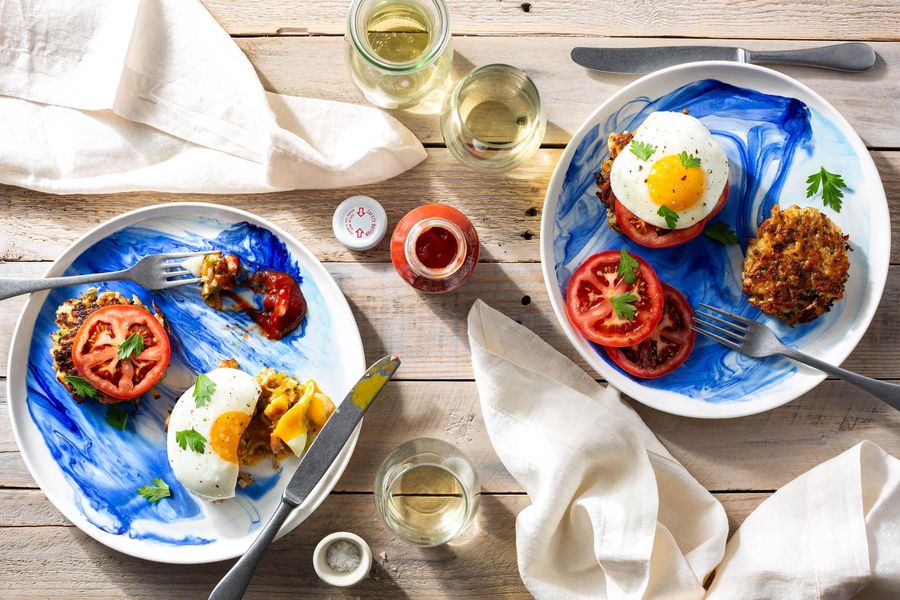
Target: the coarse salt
(343, 556)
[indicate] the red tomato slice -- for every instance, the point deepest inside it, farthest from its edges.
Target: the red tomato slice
(591, 312)
(667, 347)
(652, 236)
(96, 347)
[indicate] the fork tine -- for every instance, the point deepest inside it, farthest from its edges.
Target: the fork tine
(724, 313)
(177, 282)
(737, 336)
(721, 340)
(732, 324)
(180, 272)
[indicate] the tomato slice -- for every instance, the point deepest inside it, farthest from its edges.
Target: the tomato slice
(591, 312)
(96, 347)
(667, 347)
(652, 236)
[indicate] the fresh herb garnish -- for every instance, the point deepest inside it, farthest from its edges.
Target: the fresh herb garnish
(203, 390)
(623, 305)
(689, 160)
(642, 150)
(722, 233)
(628, 267)
(133, 345)
(831, 183)
(190, 437)
(156, 492)
(82, 386)
(669, 215)
(117, 416)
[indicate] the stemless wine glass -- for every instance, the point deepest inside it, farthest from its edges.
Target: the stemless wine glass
(427, 491)
(398, 50)
(492, 119)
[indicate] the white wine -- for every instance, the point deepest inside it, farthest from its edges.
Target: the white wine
(498, 121)
(398, 32)
(426, 504)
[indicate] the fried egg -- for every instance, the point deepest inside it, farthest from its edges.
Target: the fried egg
(672, 167)
(203, 434)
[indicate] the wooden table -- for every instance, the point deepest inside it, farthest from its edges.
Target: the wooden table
(294, 46)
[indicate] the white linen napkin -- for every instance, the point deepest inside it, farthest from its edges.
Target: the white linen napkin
(614, 515)
(120, 95)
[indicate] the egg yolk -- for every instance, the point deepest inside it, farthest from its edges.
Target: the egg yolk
(672, 184)
(225, 434)
(292, 424)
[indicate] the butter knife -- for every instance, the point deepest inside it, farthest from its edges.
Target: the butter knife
(311, 469)
(852, 56)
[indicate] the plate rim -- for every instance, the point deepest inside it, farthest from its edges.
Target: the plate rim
(153, 551)
(696, 409)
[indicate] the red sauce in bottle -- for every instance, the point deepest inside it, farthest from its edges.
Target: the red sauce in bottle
(434, 248)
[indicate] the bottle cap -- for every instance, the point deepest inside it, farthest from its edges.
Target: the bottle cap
(359, 223)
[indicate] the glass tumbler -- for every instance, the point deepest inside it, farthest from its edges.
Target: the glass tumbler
(427, 491)
(492, 120)
(398, 50)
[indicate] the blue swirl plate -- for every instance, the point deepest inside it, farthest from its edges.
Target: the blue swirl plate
(776, 133)
(90, 470)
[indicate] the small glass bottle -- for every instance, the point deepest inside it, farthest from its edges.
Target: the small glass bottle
(434, 248)
(398, 50)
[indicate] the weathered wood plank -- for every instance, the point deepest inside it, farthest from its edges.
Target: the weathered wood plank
(431, 336)
(760, 452)
(506, 210)
(858, 19)
(569, 93)
(41, 552)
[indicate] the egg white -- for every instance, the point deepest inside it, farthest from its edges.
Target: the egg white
(670, 133)
(206, 474)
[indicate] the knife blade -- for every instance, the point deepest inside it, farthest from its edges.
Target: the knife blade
(852, 56)
(313, 466)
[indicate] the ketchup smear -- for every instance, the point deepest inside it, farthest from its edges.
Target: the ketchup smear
(436, 247)
(283, 305)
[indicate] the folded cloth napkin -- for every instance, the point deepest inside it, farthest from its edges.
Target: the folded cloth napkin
(614, 515)
(120, 95)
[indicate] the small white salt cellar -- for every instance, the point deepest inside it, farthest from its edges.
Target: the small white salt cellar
(342, 559)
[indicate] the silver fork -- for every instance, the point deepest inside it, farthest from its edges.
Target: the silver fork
(154, 272)
(755, 339)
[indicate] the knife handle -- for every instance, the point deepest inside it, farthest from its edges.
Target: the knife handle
(852, 56)
(235, 582)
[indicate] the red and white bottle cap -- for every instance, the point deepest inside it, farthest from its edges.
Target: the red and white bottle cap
(359, 223)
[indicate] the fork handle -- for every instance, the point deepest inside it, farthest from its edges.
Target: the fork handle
(889, 393)
(14, 286)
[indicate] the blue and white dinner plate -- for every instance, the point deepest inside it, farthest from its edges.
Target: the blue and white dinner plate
(91, 471)
(776, 133)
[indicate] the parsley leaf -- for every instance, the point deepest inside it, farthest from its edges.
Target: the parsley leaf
(132, 346)
(628, 267)
(722, 233)
(117, 416)
(669, 215)
(689, 160)
(82, 386)
(156, 492)
(831, 183)
(623, 305)
(203, 390)
(190, 437)
(641, 150)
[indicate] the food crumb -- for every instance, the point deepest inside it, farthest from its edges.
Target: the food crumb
(343, 556)
(526, 6)
(245, 479)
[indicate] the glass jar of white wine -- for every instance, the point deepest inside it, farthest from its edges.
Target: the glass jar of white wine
(398, 50)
